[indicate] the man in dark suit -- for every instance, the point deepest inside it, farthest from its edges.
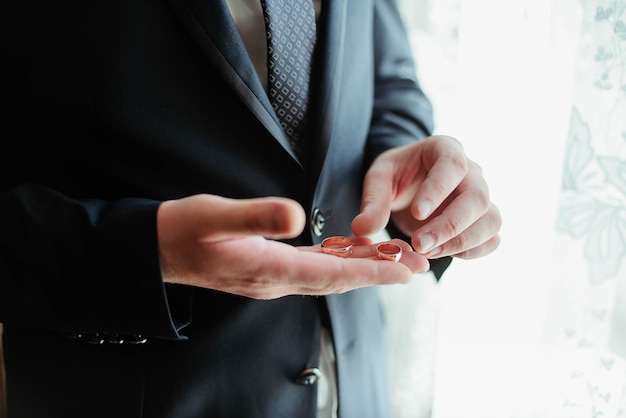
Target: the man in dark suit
(160, 232)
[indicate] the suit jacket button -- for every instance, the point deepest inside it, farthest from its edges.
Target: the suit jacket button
(137, 339)
(309, 376)
(317, 222)
(73, 336)
(114, 339)
(94, 338)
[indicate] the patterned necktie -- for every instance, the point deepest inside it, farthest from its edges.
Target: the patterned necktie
(290, 28)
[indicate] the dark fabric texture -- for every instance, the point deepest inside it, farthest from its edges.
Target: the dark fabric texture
(116, 106)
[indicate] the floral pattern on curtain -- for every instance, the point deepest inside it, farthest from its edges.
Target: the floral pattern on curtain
(586, 322)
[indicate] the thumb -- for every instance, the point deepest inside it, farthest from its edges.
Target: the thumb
(270, 217)
(214, 218)
(375, 204)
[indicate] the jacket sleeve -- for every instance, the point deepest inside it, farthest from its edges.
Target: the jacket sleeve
(402, 113)
(84, 265)
(68, 262)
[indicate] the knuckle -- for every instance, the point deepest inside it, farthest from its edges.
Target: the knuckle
(461, 242)
(482, 200)
(460, 162)
(481, 250)
(369, 197)
(474, 166)
(457, 159)
(495, 217)
(439, 188)
(495, 242)
(458, 245)
(448, 140)
(452, 226)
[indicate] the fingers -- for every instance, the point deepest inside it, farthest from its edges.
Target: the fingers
(481, 250)
(376, 201)
(436, 194)
(420, 176)
(369, 251)
(264, 269)
(364, 248)
(477, 240)
(466, 205)
(447, 165)
(339, 275)
(334, 274)
(480, 239)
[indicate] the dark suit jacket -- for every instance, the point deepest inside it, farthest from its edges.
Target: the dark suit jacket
(115, 106)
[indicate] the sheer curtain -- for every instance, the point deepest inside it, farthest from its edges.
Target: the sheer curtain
(536, 91)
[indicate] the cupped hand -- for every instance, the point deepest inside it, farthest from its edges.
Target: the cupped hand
(231, 245)
(436, 195)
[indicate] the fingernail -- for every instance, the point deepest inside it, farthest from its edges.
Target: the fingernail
(426, 242)
(424, 207)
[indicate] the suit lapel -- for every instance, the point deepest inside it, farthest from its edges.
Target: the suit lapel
(211, 25)
(327, 81)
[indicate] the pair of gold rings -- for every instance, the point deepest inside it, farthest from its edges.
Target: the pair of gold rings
(342, 247)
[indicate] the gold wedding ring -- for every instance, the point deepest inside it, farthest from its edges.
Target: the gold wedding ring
(339, 246)
(388, 251)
